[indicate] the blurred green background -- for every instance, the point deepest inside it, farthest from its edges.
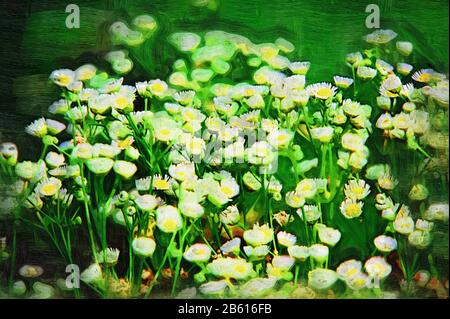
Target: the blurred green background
(35, 39)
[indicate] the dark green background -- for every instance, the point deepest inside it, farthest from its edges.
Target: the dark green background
(35, 40)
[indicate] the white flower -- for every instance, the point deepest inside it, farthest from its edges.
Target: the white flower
(298, 252)
(286, 239)
(31, 271)
(85, 72)
(299, 67)
(321, 90)
(383, 67)
(168, 219)
(49, 187)
(366, 73)
(190, 207)
(62, 77)
(143, 246)
(420, 239)
(109, 256)
(230, 215)
(342, 82)
(54, 159)
(321, 279)
(322, 134)
(197, 253)
(404, 47)
(259, 235)
(157, 88)
(100, 165)
(92, 274)
(385, 244)
(182, 171)
(351, 208)
(384, 122)
(235, 268)
(294, 199)
(436, 212)
(232, 246)
(427, 76)
(380, 36)
(377, 267)
(328, 235)
(257, 287)
(311, 212)
(319, 252)
(403, 224)
(307, 188)
(37, 128)
(404, 68)
(356, 189)
(146, 202)
(124, 169)
(280, 139)
(349, 269)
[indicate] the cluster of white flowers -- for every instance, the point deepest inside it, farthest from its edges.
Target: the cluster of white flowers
(191, 167)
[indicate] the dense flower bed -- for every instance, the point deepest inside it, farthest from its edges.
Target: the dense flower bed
(237, 177)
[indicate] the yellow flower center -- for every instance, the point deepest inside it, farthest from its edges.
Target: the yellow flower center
(157, 88)
(239, 268)
(227, 190)
(64, 80)
(48, 189)
(170, 224)
(161, 184)
(353, 210)
(324, 92)
(424, 77)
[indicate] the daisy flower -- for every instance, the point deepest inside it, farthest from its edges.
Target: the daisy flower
(427, 76)
(349, 269)
(366, 73)
(49, 186)
(387, 181)
(404, 68)
(37, 128)
(168, 219)
(319, 252)
(197, 253)
(377, 267)
(356, 189)
(383, 67)
(328, 235)
(143, 246)
(322, 134)
(230, 268)
(342, 82)
(351, 208)
(286, 239)
(312, 213)
(385, 244)
(404, 47)
(299, 67)
(280, 139)
(258, 235)
(62, 77)
(230, 215)
(295, 200)
(124, 169)
(85, 72)
(300, 253)
(380, 36)
(231, 247)
(158, 88)
(321, 279)
(100, 165)
(322, 90)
